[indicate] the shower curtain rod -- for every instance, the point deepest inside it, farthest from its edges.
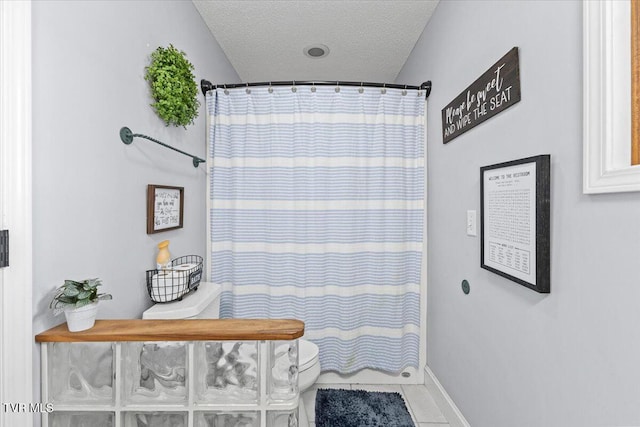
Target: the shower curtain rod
(206, 85)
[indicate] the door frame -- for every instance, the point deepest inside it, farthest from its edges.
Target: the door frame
(16, 320)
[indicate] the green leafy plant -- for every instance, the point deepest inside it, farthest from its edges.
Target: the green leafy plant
(76, 294)
(173, 86)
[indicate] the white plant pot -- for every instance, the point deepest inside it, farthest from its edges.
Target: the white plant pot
(80, 319)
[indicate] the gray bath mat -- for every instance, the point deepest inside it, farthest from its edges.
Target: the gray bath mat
(359, 408)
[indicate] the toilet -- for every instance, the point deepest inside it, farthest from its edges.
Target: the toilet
(205, 304)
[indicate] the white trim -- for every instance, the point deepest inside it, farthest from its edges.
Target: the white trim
(443, 400)
(607, 98)
(16, 335)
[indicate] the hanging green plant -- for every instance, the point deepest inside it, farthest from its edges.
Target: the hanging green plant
(173, 86)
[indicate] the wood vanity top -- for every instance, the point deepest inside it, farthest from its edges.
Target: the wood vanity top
(179, 330)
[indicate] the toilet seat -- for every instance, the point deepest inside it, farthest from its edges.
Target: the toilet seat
(307, 354)
(309, 370)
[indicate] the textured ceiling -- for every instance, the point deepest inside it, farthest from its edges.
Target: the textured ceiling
(368, 40)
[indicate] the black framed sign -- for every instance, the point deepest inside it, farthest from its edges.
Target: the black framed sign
(514, 212)
(493, 92)
(165, 208)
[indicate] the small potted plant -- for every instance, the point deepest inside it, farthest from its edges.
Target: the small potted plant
(79, 302)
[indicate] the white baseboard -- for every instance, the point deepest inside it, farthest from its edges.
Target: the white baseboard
(451, 411)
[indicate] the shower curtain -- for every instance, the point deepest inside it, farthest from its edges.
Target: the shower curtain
(316, 209)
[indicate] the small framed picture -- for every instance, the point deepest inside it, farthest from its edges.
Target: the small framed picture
(165, 208)
(515, 210)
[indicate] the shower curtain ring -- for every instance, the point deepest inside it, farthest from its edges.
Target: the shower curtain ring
(337, 87)
(247, 89)
(384, 89)
(294, 89)
(313, 86)
(361, 88)
(404, 91)
(270, 88)
(226, 92)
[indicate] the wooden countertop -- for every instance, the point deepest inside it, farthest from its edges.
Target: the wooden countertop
(179, 330)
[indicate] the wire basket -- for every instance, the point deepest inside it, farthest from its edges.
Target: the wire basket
(173, 283)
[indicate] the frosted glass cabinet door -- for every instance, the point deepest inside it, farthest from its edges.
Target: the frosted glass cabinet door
(154, 373)
(80, 373)
(227, 419)
(283, 370)
(81, 419)
(227, 372)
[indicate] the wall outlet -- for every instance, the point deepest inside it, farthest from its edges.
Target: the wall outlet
(471, 223)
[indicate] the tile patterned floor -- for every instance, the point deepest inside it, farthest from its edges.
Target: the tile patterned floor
(421, 405)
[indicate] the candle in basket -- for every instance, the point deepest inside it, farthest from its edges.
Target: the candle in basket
(163, 260)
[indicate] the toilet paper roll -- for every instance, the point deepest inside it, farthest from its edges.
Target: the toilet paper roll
(168, 285)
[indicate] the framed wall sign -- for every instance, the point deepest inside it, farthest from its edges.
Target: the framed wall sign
(493, 92)
(165, 208)
(514, 211)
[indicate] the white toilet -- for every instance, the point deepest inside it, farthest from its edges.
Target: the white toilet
(205, 304)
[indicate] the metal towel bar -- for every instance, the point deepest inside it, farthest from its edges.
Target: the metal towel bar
(127, 137)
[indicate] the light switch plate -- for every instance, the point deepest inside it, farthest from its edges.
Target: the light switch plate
(471, 223)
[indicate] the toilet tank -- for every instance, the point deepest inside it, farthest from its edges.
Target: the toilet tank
(203, 303)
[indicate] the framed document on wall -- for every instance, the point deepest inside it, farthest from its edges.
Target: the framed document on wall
(165, 208)
(515, 210)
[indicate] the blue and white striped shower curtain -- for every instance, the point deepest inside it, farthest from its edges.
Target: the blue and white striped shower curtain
(316, 209)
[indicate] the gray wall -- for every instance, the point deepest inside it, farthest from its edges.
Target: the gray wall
(507, 355)
(89, 189)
